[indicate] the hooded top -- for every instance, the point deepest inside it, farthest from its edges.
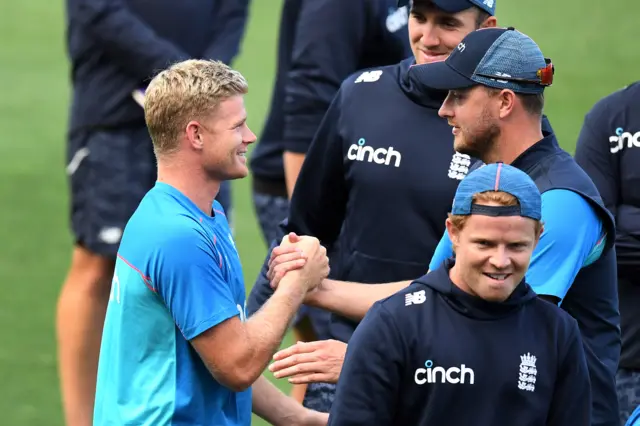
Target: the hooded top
(435, 355)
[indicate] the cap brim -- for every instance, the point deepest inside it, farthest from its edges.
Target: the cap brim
(450, 6)
(440, 76)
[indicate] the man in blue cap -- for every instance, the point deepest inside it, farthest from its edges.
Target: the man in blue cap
(471, 333)
(495, 80)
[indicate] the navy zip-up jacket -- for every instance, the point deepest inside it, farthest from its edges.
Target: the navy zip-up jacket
(434, 355)
(321, 43)
(116, 46)
(608, 149)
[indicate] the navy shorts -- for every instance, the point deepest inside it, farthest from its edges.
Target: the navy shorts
(628, 388)
(109, 171)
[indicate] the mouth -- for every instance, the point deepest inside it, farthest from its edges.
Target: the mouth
(455, 130)
(497, 278)
(429, 57)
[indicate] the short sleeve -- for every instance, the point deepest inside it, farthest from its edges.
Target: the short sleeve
(568, 242)
(187, 272)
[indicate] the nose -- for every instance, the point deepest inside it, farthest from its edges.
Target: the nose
(445, 110)
(430, 35)
(249, 137)
(500, 258)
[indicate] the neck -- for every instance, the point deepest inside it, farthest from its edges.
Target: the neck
(456, 279)
(515, 138)
(189, 180)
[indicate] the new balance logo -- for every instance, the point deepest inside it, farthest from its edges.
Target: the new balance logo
(369, 76)
(386, 156)
(397, 19)
(454, 375)
(623, 139)
(416, 298)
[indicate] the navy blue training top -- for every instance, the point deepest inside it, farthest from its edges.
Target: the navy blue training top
(322, 42)
(434, 355)
(608, 149)
(116, 46)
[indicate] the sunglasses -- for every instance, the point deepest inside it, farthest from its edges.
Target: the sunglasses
(545, 75)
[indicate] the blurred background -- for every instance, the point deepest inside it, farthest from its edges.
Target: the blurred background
(593, 45)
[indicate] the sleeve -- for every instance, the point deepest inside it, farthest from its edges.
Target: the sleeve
(571, 402)
(319, 199)
(594, 155)
(327, 46)
(131, 43)
(369, 388)
(567, 243)
(190, 281)
(230, 25)
(442, 252)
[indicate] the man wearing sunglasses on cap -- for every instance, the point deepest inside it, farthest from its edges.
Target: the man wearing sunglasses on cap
(470, 343)
(496, 79)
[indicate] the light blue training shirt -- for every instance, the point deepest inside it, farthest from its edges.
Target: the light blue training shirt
(572, 239)
(177, 275)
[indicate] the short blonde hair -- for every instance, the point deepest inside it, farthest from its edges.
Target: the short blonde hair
(186, 91)
(498, 197)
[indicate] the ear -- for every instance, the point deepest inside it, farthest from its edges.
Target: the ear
(454, 233)
(507, 99)
(490, 22)
(194, 135)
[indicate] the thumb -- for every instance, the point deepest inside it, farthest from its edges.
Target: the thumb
(293, 237)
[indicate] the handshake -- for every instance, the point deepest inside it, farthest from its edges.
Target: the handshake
(303, 257)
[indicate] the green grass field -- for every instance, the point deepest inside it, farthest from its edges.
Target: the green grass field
(592, 45)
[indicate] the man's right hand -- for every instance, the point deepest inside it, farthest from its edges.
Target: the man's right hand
(303, 256)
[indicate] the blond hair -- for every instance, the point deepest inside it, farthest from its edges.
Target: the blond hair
(497, 197)
(188, 90)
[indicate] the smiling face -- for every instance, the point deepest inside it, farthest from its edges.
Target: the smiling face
(492, 253)
(225, 138)
(434, 33)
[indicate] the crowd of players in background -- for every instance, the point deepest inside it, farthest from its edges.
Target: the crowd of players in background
(361, 134)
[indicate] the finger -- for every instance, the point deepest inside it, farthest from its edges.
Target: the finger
(300, 369)
(283, 258)
(283, 268)
(281, 250)
(298, 348)
(312, 378)
(293, 360)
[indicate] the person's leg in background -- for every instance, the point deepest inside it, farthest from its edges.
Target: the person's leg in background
(109, 172)
(628, 375)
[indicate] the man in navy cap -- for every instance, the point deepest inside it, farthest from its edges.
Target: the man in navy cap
(472, 333)
(496, 79)
(382, 148)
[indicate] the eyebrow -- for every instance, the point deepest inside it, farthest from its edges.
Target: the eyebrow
(239, 122)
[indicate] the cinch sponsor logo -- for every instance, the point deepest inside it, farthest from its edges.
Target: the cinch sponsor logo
(453, 375)
(622, 139)
(360, 152)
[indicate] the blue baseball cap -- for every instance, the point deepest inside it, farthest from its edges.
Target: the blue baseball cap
(455, 6)
(498, 177)
(503, 58)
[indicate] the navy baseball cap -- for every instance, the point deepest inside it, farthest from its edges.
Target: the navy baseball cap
(455, 6)
(503, 58)
(498, 177)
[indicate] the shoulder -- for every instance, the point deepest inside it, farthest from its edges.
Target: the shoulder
(613, 104)
(557, 202)
(556, 318)
(368, 79)
(414, 295)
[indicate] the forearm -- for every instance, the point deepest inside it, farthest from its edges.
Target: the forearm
(265, 330)
(272, 405)
(292, 166)
(350, 299)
